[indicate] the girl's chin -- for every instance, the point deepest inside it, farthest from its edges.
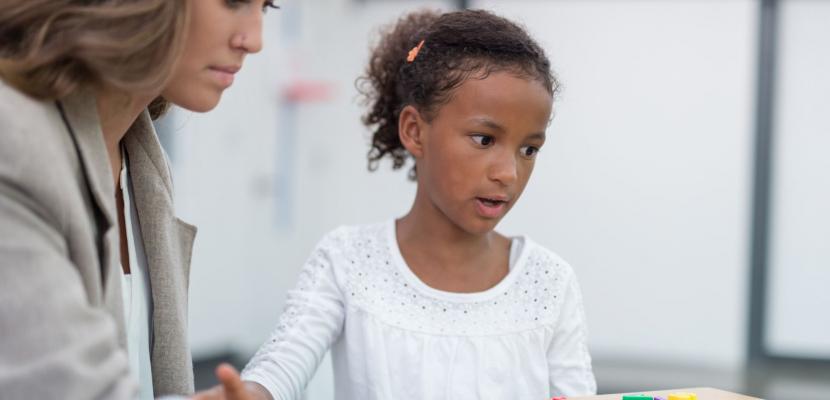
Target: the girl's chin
(479, 226)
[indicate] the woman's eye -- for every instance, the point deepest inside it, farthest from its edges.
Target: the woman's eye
(529, 151)
(269, 4)
(265, 6)
(482, 140)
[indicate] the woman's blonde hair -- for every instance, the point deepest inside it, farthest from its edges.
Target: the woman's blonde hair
(50, 48)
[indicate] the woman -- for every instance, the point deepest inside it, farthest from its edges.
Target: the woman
(94, 264)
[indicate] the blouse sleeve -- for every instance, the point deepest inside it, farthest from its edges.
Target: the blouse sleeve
(311, 321)
(569, 362)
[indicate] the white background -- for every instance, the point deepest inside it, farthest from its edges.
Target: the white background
(800, 226)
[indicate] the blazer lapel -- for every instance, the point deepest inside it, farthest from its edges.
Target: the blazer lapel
(81, 115)
(168, 244)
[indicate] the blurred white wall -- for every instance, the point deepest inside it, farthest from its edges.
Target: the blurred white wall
(643, 184)
(799, 257)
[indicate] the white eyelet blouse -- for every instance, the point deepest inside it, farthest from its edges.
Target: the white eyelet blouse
(394, 337)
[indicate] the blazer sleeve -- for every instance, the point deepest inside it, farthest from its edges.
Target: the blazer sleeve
(53, 343)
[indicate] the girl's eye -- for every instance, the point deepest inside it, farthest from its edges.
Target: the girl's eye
(529, 151)
(482, 140)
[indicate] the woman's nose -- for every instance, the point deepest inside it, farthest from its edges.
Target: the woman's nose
(249, 36)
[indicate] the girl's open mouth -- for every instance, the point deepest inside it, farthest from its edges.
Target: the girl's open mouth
(490, 208)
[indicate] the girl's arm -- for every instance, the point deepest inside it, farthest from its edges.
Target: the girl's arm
(569, 363)
(311, 322)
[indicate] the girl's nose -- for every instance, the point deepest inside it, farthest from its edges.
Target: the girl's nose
(504, 169)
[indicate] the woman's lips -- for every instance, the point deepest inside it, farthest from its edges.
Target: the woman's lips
(224, 74)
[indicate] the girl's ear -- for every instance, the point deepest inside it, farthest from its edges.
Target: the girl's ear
(411, 129)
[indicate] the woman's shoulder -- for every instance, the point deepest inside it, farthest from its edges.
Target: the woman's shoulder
(35, 147)
(23, 118)
(38, 157)
(33, 136)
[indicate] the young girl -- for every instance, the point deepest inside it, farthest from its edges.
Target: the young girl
(438, 305)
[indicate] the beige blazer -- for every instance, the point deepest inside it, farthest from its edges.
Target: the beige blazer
(62, 330)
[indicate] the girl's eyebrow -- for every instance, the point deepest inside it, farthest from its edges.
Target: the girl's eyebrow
(488, 122)
(538, 135)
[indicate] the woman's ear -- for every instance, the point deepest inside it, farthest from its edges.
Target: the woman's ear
(411, 129)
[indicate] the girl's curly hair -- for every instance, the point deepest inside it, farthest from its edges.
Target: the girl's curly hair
(457, 45)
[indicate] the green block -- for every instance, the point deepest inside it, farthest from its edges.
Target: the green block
(637, 397)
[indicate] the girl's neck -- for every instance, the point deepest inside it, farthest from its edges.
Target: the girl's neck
(433, 245)
(117, 111)
(430, 228)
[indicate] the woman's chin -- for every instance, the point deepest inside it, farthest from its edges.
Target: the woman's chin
(199, 104)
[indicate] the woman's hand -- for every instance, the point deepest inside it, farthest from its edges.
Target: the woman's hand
(231, 387)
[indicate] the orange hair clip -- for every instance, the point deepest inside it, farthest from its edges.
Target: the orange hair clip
(414, 52)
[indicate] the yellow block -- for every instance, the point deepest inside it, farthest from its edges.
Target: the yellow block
(682, 396)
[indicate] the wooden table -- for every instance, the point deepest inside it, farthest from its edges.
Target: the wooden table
(702, 394)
